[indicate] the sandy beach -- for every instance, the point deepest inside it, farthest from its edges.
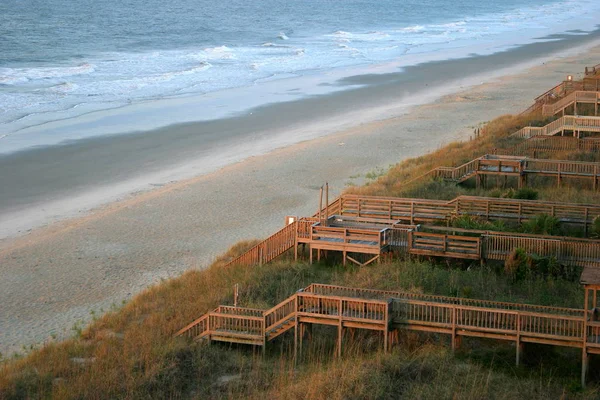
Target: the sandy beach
(56, 276)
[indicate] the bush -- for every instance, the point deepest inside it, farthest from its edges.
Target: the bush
(525, 194)
(517, 264)
(543, 224)
(473, 222)
(596, 227)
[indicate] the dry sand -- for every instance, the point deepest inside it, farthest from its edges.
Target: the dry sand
(55, 276)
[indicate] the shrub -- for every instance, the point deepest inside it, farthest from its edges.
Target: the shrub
(542, 224)
(525, 194)
(596, 227)
(517, 264)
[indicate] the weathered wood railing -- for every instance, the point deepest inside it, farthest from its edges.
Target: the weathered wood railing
(425, 210)
(330, 290)
(441, 244)
(574, 251)
(592, 70)
(375, 238)
(565, 123)
(574, 97)
(549, 144)
(554, 167)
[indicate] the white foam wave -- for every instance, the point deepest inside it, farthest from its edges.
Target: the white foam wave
(13, 76)
(282, 36)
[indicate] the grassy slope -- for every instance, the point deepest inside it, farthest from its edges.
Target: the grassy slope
(131, 352)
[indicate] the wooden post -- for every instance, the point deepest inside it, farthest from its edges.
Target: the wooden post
(386, 330)
(235, 295)
(321, 205)
(453, 330)
(584, 355)
(296, 331)
(340, 329)
(559, 168)
(326, 203)
(518, 343)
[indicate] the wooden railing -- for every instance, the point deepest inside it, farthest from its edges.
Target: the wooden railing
(479, 321)
(574, 251)
(565, 123)
(492, 208)
(349, 235)
(268, 249)
(425, 210)
(333, 290)
(436, 244)
(592, 70)
(280, 313)
(554, 167)
(575, 97)
(549, 144)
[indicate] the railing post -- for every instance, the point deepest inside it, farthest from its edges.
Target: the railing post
(518, 344)
(340, 329)
(453, 329)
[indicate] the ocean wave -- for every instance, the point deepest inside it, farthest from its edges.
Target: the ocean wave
(219, 53)
(282, 36)
(14, 76)
(63, 88)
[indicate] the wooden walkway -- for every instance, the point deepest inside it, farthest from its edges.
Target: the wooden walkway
(534, 145)
(573, 99)
(576, 125)
(389, 311)
(515, 166)
(376, 225)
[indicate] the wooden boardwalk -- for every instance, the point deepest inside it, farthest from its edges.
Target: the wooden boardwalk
(576, 126)
(536, 145)
(503, 166)
(378, 225)
(389, 311)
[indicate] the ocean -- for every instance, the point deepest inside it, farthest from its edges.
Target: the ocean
(61, 60)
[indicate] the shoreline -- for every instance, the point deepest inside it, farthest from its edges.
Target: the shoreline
(82, 175)
(91, 262)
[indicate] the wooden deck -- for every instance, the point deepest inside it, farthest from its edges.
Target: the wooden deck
(388, 311)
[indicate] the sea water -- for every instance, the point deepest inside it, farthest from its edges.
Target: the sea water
(61, 59)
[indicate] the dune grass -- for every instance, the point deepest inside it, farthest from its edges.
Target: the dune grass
(131, 352)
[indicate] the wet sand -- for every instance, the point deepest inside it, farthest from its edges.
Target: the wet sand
(55, 276)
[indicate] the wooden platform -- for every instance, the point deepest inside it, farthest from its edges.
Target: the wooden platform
(388, 311)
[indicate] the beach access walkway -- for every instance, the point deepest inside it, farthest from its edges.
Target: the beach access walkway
(386, 226)
(576, 126)
(347, 309)
(535, 145)
(514, 166)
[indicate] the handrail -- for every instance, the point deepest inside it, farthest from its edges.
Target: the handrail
(576, 96)
(566, 122)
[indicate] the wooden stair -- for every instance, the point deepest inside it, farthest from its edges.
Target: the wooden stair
(575, 124)
(586, 97)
